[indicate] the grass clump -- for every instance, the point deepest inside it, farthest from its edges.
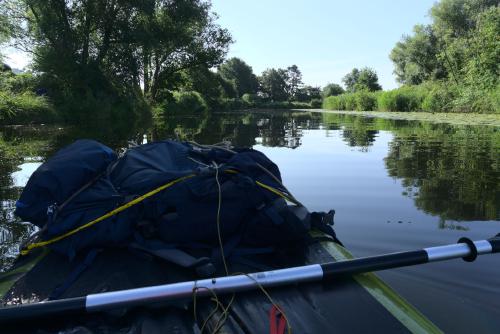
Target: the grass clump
(404, 99)
(361, 101)
(25, 108)
(18, 101)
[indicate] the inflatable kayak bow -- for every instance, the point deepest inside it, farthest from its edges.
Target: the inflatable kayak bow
(465, 248)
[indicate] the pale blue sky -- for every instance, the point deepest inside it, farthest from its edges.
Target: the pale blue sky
(325, 39)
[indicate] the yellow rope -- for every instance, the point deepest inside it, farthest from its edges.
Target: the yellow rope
(275, 191)
(127, 205)
(271, 300)
(271, 189)
(218, 304)
(225, 310)
(105, 216)
(219, 204)
(219, 324)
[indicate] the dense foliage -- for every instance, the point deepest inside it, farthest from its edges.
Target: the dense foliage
(19, 101)
(460, 47)
(428, 97)
(273, 84)
(450, 65)
(416, 58)
(332, 89)
(241, 75)
(109, 57)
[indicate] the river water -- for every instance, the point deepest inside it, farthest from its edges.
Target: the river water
(395, 185)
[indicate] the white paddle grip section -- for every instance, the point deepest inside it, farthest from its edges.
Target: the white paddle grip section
(167, 292)
(440, 253)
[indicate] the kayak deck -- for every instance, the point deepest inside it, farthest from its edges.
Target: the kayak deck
(348, 305)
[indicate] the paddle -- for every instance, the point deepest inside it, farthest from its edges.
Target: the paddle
(465, 248)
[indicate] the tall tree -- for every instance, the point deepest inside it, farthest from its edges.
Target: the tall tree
(350, 79)
(241, 73)
(483, 68)
(293, 81)
(416, 58)
(368, 79)
(127, 43)
(461, 39)
(7, 28)
(4, 29)
(457, 18)
(332, 89)
(364, 79)
(273, 84)
(307, 93)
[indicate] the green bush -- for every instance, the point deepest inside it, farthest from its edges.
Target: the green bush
(361, 101)
(316, 103)
(495, 99)
(277, 105)
(472, 99)
(401, 99)
(339, 102)
(332, 103)
(429, 97)
(234, 104)
(439, 98)
(301, 105)
(366, 101)
(238, 104)
(186, 102)
(25, 108)
(251, 99)
(350, 101)
(17, 83)
(284, 105)
(18, 103)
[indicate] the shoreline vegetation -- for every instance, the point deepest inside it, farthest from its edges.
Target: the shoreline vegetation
(441, 117)
(427, 97)
(78, 76)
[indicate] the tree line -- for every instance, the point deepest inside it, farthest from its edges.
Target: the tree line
(449, 65)
(457, 55)
(99, 59)
(109, 59)
(115, 57)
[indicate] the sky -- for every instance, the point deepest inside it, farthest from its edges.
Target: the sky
(326, 39)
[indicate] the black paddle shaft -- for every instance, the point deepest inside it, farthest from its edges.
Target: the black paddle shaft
(466, 249)
(367, 264)
(46, 310)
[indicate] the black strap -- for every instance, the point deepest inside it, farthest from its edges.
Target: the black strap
(203, 266)
(74, 274)
(59, 207)
(473, 250)
(323, 222)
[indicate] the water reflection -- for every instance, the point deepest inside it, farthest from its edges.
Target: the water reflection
(451, 172)
(17, 144)
(357, 132)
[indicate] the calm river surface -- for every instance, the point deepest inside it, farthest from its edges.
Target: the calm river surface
(395, 185)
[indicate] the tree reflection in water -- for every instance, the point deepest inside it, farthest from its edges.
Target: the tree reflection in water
(449, 171)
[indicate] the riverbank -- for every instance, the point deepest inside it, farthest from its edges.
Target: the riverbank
(427, 97)
(448, 118)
